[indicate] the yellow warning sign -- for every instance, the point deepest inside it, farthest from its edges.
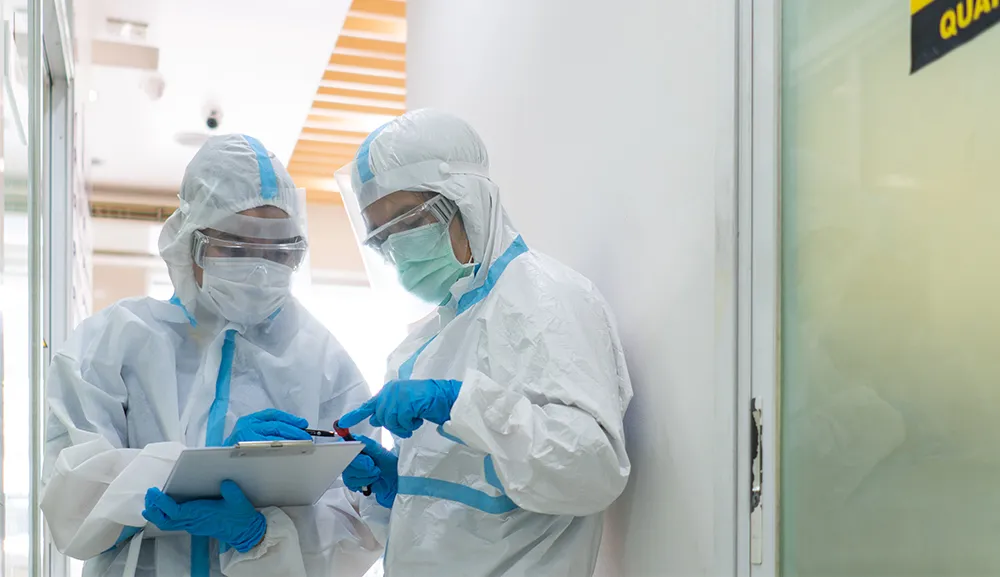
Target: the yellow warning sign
(939, 26)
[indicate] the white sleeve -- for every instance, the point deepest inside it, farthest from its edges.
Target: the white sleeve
(276, 554)
(554, 431)
(94, 485)
(284, 551)
(329, 538)
(342, 534)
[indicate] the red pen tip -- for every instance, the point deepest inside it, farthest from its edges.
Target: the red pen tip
(340, 431)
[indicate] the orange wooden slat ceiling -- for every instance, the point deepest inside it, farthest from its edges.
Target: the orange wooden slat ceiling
(363, 86)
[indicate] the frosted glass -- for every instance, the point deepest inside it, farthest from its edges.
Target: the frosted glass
(890, 339)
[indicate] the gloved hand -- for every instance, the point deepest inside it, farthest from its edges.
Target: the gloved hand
(268, 425)
(402, 406)
(232, 519)
(374, 467)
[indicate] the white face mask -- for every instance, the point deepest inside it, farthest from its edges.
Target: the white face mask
(245, 291)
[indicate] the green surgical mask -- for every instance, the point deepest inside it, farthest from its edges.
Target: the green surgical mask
(425, 262)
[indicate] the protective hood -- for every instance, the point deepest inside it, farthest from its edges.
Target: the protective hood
(229, 174)
(431, 151)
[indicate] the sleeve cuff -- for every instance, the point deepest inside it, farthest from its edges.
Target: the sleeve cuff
(272, 536)
(278, 552)
(478, 411)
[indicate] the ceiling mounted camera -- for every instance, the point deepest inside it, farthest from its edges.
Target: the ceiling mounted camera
(213, 116)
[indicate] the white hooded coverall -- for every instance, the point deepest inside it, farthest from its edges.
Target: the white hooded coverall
(143, 379)
(516, 482)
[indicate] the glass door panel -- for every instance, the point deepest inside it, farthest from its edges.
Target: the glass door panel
(890, 330)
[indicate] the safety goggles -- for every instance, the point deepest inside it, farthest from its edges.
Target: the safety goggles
(436, 210)
(289, 252)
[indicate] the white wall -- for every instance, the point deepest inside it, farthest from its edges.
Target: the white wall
(611, 131)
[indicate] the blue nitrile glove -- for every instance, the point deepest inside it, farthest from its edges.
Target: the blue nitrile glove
(402, 406)
(374, 467)
(232, 519)
(268, 425)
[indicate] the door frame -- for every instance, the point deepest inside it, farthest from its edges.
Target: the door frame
(53, 73)
(759, 281)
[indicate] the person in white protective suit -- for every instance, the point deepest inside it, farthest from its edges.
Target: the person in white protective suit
(231, 357)
(507, 401)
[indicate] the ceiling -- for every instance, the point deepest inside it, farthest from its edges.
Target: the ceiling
(363, 87)
(310, 83)
(258, 60)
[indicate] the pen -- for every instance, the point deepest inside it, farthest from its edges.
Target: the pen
(337, 432)
(322, 433)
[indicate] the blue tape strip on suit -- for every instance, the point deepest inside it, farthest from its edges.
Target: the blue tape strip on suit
(215, 430)
(436, 488)
(216, 427)
(176, 300)
(452, 438)
(362, 161)
(491, 474)
(200, 562)
(268, 179)
(406, 369)
(516, 249)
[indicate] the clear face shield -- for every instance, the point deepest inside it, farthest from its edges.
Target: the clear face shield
(372, 236)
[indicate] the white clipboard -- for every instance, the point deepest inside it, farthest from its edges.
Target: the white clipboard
(270, 473)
